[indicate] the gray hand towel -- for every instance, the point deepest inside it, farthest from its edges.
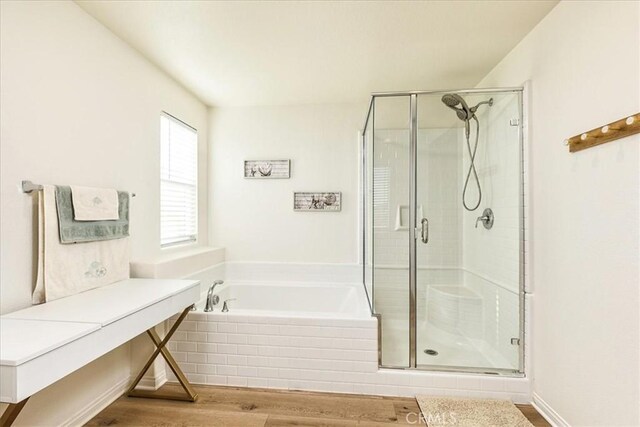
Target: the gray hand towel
(72, 231)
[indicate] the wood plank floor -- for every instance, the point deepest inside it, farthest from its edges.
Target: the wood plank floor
(246, 407)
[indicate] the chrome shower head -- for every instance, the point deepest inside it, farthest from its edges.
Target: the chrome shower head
(452, 100)
(464, 113)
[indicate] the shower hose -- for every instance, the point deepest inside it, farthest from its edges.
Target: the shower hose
(472, 166)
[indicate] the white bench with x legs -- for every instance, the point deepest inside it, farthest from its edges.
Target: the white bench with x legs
(41, 344)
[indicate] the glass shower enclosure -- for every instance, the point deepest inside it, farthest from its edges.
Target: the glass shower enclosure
(443, 228)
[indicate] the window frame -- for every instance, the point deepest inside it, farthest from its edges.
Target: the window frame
(194, 239)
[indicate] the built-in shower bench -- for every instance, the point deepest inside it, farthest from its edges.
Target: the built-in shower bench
(41, 344)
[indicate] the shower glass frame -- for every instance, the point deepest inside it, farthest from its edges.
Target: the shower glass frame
(367, 225)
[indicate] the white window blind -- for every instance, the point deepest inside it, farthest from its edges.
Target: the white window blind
(381, 184)
(178, 182)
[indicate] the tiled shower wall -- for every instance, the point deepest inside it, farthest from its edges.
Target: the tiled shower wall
(494, 254)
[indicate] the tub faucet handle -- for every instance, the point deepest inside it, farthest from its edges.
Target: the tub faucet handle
(225, 307)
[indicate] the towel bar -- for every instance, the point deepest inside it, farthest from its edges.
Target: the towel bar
(29, 187)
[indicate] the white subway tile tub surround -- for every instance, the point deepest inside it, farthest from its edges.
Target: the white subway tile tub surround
(272, 347)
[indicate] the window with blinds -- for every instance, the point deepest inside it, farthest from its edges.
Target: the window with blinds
(381, 193)
(178, 182)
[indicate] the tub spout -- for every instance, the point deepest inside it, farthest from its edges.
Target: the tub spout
(211, 298)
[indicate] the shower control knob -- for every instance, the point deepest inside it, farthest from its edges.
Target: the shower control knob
(487, 219)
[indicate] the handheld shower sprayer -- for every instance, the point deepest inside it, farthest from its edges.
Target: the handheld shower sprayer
(452, 100)
(466, 114)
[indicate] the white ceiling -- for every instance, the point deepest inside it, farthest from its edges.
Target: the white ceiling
(257, 53)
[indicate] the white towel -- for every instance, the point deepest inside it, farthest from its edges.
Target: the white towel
(94, 204)
(64, 270)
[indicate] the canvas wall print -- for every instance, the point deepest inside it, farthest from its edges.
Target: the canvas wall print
(317, 202)
(267, 169)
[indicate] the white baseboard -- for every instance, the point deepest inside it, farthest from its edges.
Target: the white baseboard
(153, 382)
(98, 404)
(548, 412)
(111, 395)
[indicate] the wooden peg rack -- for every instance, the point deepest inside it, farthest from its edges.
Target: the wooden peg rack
(614, 130)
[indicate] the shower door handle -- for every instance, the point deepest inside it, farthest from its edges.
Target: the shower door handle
(424, 232)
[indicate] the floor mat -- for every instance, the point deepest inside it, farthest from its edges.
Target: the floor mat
(462, 412)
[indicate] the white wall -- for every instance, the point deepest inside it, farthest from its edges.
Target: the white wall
(79, 106)
(254, 219)
(584, 65)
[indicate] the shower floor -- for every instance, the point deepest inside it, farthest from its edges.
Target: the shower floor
(453, 350)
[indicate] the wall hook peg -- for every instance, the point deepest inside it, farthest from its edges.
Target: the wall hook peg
(622, 128)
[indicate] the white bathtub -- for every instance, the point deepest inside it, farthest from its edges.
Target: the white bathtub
(326, 300)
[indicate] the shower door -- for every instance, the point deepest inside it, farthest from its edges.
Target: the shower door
(447, 289)
(468, 271)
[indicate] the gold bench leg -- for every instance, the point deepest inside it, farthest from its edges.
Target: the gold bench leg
(161, 349)
(11, 413)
